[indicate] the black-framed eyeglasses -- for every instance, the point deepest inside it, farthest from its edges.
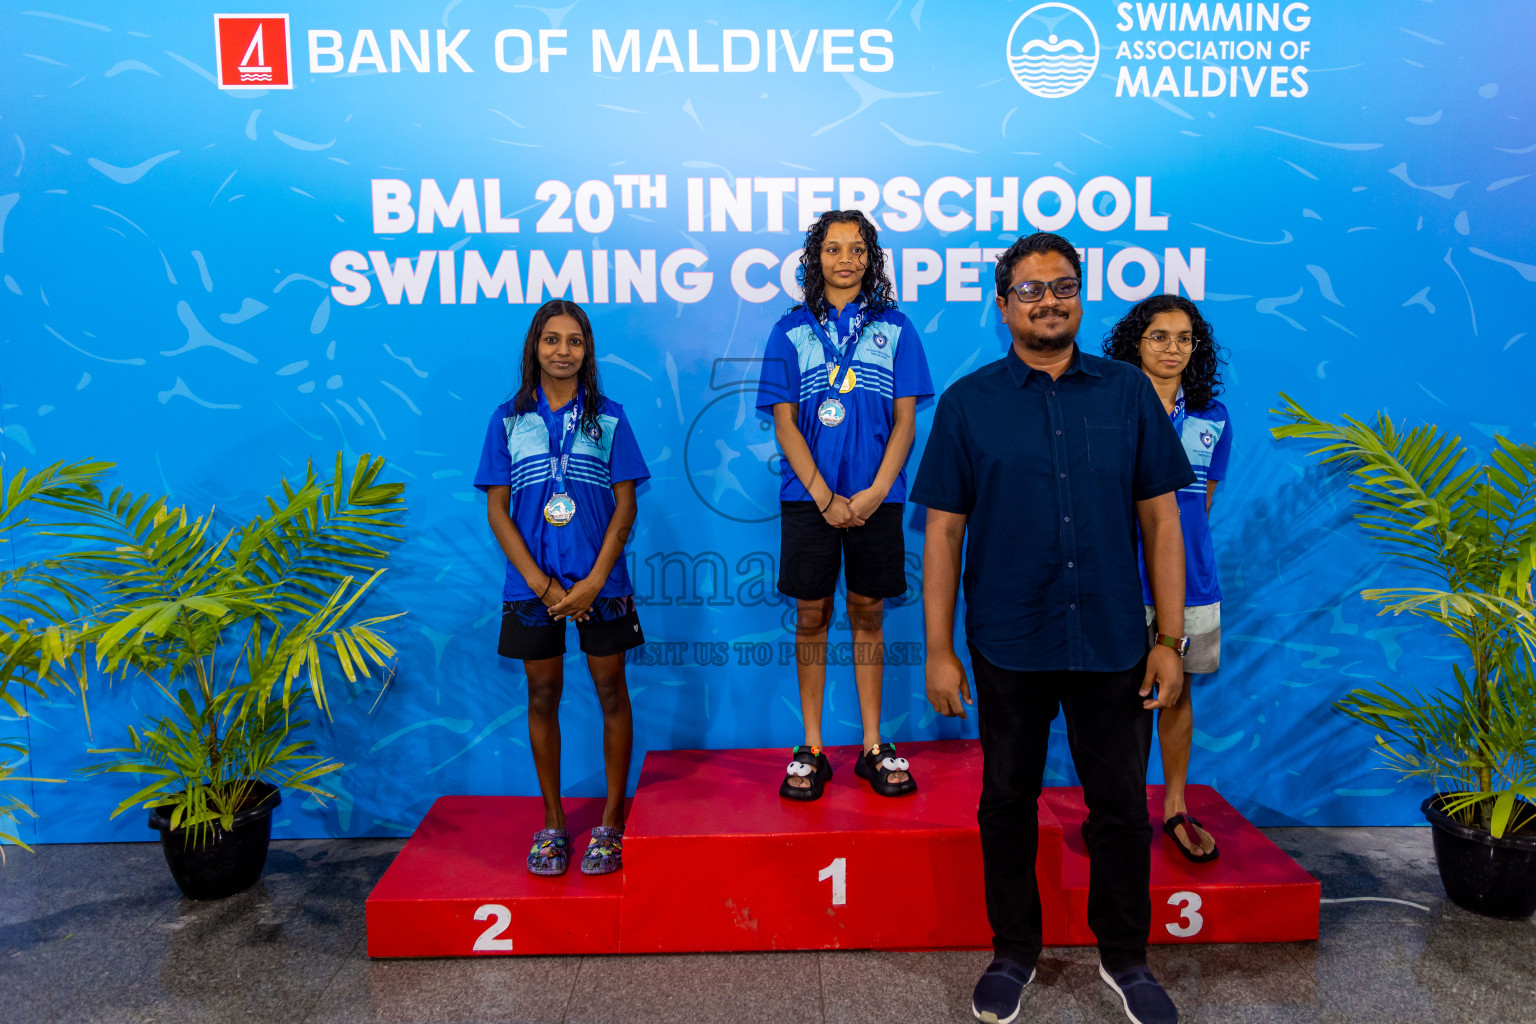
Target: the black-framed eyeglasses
(1158, 341)
(1034, 291)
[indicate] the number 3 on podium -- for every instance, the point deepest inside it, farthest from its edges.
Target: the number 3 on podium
(838, 872)
(1190, 919)
(490, 940)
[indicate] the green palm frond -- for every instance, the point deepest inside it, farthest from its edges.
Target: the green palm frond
(1471, 527)
(238, 628)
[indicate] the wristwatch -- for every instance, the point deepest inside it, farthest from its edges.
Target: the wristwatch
(1178, 643)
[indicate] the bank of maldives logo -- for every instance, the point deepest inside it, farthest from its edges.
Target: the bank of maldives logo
(1053, 50)
(251, 51)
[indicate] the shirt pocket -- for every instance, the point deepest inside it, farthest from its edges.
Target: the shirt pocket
(1109, 446)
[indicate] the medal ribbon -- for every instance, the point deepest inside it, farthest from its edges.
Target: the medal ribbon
(561, 439)
(844, 359)
(1177, 416)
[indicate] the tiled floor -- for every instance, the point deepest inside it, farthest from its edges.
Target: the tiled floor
(99, 933)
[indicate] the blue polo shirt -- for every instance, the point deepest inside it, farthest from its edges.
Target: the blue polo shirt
(1207, 440)
(1049, 472)
(516, 454)
(888, 363)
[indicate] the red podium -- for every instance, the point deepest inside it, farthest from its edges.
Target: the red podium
(715, 860)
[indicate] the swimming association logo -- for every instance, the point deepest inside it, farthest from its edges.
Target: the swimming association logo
(1207, 438)
(251, 51)
(1053, 50)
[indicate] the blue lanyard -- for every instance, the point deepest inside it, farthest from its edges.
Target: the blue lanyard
(845, 359)
(561, 438)
(1177, 416)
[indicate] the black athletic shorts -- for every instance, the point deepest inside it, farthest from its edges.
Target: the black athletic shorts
(529, 634)
(873, 557)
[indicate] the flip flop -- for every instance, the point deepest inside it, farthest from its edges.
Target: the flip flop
(1189, 822)
(806, 763)
(877, 767)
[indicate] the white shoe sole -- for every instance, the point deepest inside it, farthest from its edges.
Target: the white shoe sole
(1124, 1003)
(987, 1017)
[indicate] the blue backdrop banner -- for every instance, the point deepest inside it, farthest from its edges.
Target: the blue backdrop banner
(234, 242)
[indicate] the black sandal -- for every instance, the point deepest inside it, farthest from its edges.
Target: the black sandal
(877, 766)
(1190, 823)
(806, 762)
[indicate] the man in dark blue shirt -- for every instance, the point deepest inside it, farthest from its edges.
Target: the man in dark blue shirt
(1042, 464)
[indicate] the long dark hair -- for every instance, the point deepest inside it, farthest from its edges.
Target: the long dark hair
(877, 289)
(527, 398)
(1202, 377)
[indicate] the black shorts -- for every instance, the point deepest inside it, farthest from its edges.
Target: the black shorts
(811, 552)
(529, 634)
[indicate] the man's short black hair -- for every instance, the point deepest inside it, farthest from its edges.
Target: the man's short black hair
(1040, 241)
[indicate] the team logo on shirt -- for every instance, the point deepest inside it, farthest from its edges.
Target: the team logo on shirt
(880, 340)
(595, 432)
(1207, 438)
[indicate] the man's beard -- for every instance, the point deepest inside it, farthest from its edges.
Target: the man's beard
(1039, 344)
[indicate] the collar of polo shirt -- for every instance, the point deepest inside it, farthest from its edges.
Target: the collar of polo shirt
(1081, 360)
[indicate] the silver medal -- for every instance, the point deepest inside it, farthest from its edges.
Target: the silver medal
(559, 510)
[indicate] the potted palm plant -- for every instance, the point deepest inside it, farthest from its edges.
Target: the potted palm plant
(236, 632)
(36, 597)
(1469, 529)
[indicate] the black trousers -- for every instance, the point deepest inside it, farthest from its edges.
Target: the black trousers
(1110, 736)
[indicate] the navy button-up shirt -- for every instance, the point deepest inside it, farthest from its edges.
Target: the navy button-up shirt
(1049, 472)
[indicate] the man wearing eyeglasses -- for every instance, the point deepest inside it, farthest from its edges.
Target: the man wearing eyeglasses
(1041, 465)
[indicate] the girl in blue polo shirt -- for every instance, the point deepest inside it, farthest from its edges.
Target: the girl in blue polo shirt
(1168, 338)
(559, 468)
(842, 375)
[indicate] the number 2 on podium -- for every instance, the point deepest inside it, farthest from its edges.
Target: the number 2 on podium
(838, 872)
(490, 940)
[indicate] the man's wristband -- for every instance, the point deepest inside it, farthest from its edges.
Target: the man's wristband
(546, 587)
(829, 504)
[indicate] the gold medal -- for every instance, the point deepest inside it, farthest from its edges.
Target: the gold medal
(849, 380)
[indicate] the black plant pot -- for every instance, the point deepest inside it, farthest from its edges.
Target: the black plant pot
(226, 862)
(1493, 877)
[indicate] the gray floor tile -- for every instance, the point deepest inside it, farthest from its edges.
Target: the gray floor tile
(167, 979)
(97, 890)
(1378, 963)
(1353, 862)
(725, 988)
(1216, 982)
(879, 986)
(484, 989)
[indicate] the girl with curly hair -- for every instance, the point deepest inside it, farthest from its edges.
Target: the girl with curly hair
(1173, 344)
(842, 375)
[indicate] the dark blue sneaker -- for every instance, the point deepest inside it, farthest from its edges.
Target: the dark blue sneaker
(1144, 999)
(997, 995)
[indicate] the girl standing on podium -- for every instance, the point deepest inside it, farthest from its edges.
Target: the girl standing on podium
(842, 375)
(559, 468)
(1174, 345)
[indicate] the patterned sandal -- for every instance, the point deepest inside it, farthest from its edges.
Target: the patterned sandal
(806, 763)
(551, 853)
(877, 767)
(605, 851)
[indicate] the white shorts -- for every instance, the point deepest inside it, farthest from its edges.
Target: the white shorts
(1202, 624)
